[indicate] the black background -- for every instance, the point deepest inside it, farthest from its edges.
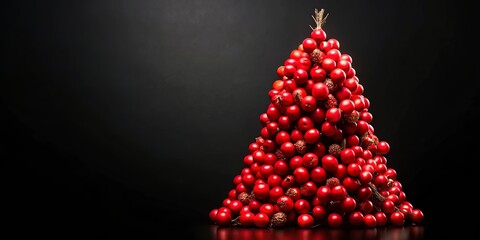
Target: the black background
(118, 115)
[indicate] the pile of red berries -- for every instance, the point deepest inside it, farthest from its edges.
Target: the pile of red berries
(317, 160)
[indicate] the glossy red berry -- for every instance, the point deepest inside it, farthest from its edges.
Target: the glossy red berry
(323, 194)
(381, 219)
(356, 219)
(370, 220)
(416, 216)
(261, 191)
(329, 163)
(305, 220)
(312, 136)
(319, 212)
(261, 220)
(285, 203)
(301, 175)
(397, 218)
(223, 219)
(333, 115)
(320, 91)
(247, 219)
(309, 44)
(308, 103)
(334, 220)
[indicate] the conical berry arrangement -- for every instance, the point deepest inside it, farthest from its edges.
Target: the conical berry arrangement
(317, 161)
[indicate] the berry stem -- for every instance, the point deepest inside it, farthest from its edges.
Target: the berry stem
(319, 19)
(236, 222)
(376, 194)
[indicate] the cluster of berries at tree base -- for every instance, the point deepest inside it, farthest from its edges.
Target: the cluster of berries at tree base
(317, 161)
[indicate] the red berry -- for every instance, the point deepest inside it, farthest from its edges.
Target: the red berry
(383, 148)
(282, 137)
(261, 191)
(325, 46)
(323, 194)
(365, 206)
(310, 160)
(343, 93)
(281, 167)
(309, 44)
(352, 140)
(329, 163)
(416, 216)
(296, 162)
(344, 64)
(334, 220)
(305, 123)
(328, 129)
(319, 212)
(366, 116)
(397, 218)
(388, 207)
(247, 219)
(354, 169)
(356, 218)
(223, 218)
(285, 203)
(329, 64)
(288, 149)
(365, 177)
(288, 182)
(235, 206)
(364, 193)
(308, 104)
(370, 220)
(248, 180)
(334, 43)
(348, 204)
(232, 194)
(305, 220)
(351, 184)
(318, 74)
(320, 91)
(380, 181)
(308, 189)
(301, 175)
(304, 63)
(381, 219)
(346, 57)
(312, 136)
(261, 220)
(302, 206)
(338, 193)
(274, 180)
(300, 76)
(334, 54)
(213, 214)
(333, 115)
(318, 115)
(293, 112)
(391, 173)
(318, 175)
(338, 76)
(275, 193)
(267, 208)
(319, 35)
(347, 156)
(254, 205)
(290, 85)
(266, 170)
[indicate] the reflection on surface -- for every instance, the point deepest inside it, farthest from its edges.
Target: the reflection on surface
(392, 233)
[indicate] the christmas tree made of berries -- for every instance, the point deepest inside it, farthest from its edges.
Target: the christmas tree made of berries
(317, 161)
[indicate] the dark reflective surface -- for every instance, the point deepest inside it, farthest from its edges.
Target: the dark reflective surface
(390, 233)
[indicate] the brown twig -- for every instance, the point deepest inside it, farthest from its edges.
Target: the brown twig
(319, 18)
